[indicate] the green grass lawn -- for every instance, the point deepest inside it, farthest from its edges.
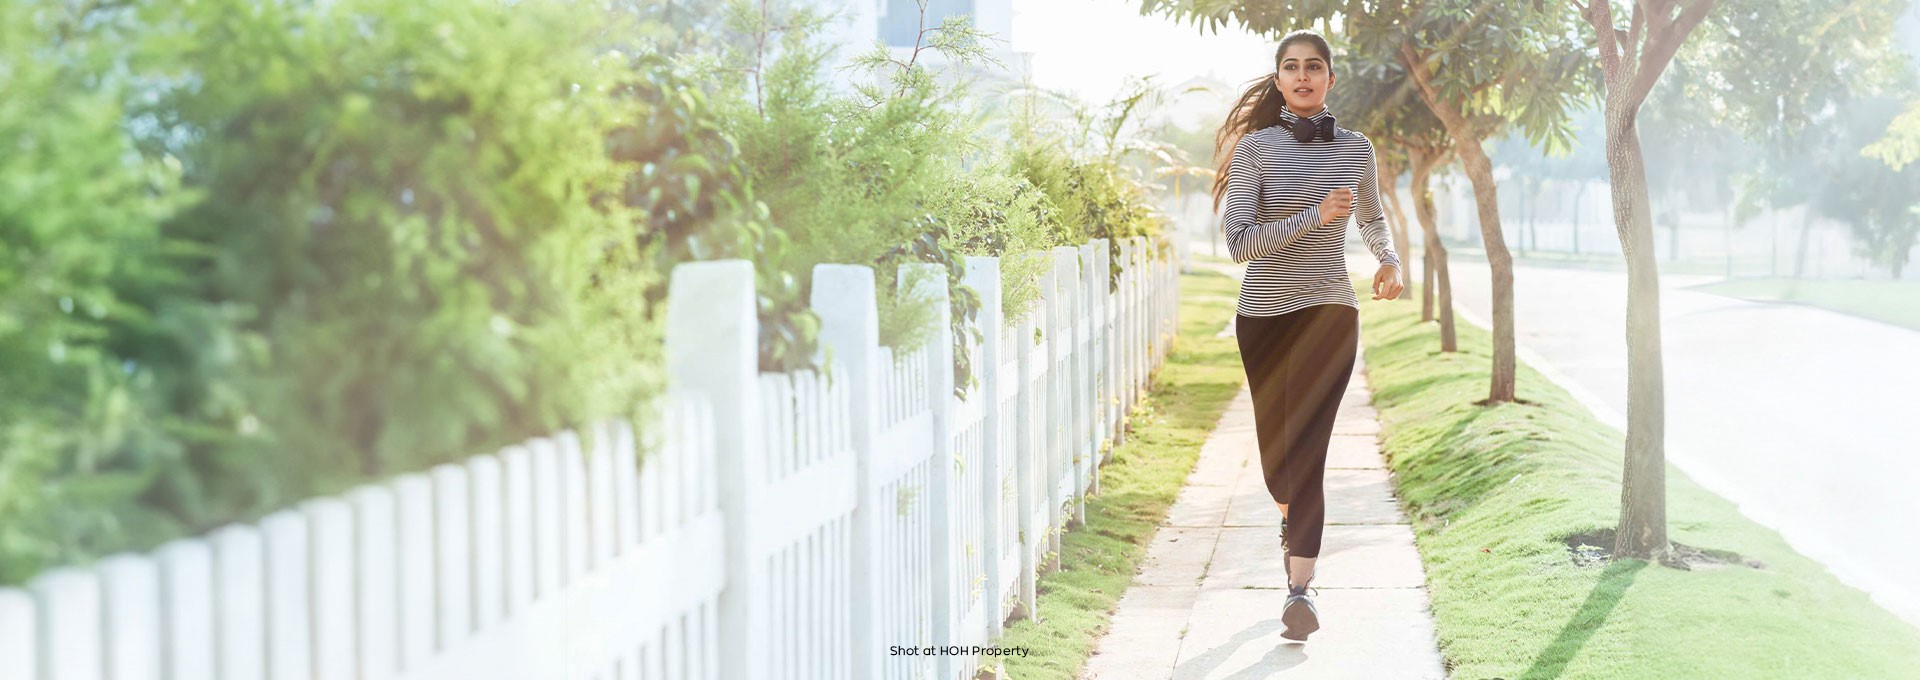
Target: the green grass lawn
(1894, 302)
(1136, 487)
(1612, 262)
(1494, 492)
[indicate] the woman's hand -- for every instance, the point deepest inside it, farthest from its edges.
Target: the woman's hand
(1336, 205)
(1386, 283)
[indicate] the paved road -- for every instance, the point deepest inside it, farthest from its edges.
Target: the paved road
(1804, 418)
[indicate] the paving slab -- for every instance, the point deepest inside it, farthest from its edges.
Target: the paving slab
(1144, 644)
(1178, 556)
(1351, 556)
(1354, 451)
(1354, 496)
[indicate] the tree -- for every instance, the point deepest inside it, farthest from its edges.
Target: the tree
(1874, 199)
(1898, 148)
(1478, 66)
(1901, 144)
(1764, 41)
(1378, 90)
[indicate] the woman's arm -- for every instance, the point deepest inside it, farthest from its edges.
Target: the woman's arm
(1247, 239)
(1367, 214)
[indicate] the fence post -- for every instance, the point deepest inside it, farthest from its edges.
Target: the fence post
(1027, 492)
(130, 595)
(1109, 344)
(288, 617)
(1167, 285)
(19, 647)
(1087, 446)
(1058, 335)
(1128, 337)
(983, 276)
(68, 600)
(843, 298)
(1067, 259)
(1091, 281)
(239, 585)
(1142, 324)
(1103, 348)
(931, 283)
(1150, 285)
(1172, 285)
(713, 351)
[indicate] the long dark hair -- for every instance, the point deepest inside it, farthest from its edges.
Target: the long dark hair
(1259, 107)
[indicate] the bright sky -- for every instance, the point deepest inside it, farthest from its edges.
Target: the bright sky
(1089, 47)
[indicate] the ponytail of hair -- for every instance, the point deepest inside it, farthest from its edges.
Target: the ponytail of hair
(1259, 107)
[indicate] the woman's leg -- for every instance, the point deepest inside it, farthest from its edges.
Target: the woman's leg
(1319, 365)
(1261, 340)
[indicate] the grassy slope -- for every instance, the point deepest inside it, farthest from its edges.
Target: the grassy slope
(1493, 492)
(1894, 302)
(1137, 486)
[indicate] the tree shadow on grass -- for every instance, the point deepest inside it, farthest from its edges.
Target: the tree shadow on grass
(1600, 602)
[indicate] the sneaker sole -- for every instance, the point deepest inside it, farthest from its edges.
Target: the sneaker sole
(1301, 620)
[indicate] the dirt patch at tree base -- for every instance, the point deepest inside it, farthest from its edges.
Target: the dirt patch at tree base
(1596, 548)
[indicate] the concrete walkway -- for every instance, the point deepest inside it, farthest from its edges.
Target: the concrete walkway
(1206, 602)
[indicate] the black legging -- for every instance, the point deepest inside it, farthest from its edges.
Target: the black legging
(1297, 367)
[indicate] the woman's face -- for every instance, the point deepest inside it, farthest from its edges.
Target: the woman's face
(1303, 77)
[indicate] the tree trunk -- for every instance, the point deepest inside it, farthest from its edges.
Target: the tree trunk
(1487, 198)
(1773, 244)
(1673, 234)
(1390, 176)
(1727, 216)
(1642, 530)
(1520, 206)
(1417, 172)
(1800, 257)
(1533, 216)
(1467, 136)
(1577, 196)
(1426, 278)
(1420, 181)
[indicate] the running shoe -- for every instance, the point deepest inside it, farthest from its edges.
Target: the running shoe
(1299, 614)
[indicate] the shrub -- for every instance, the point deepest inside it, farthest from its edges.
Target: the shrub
(402, 233)
(80, 429)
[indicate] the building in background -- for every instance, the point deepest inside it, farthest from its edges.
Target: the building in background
(897, 23)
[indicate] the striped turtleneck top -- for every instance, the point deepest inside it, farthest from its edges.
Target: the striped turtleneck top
(1270, 216)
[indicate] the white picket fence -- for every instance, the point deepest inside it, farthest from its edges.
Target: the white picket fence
(783, 526)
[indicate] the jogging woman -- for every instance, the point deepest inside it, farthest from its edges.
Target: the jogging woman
(1287, 189)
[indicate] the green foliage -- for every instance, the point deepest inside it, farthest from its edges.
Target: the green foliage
(1815, 88)
(993, 212)
(284, 248)
(1090, 191)
(415, 227)
(1901, 143)
(1878, 202)
(254, 252)
(862, 177)
(1376, 93)
(80, 430)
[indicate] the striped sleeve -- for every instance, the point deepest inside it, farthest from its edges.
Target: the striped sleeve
(1247, 239)
(1367, 213)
